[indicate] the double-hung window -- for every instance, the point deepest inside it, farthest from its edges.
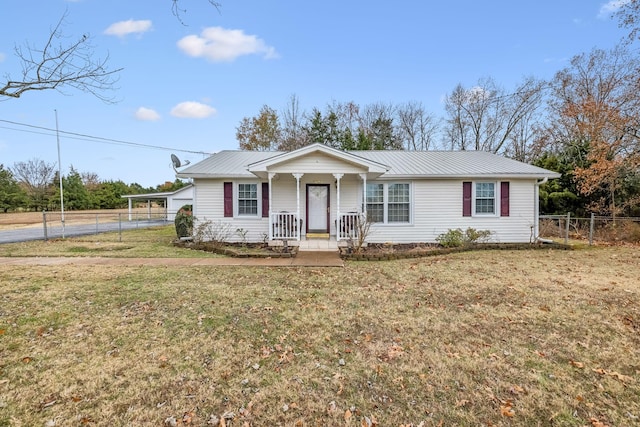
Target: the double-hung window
(389, 203)
(375, 202)
(485, 198)
(248, 199)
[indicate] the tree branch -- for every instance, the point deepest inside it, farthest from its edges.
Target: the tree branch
(57, 66)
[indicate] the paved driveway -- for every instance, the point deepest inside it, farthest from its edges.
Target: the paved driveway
(37, 233)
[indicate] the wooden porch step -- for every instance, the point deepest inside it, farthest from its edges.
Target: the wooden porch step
(317, 235)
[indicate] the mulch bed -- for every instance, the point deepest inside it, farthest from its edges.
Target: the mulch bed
(372, 252)
(387, 252)
(240, 250)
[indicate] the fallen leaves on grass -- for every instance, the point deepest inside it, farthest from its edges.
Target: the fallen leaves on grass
(597, 423)
(506, 410)
(620, 377)
(575, 364)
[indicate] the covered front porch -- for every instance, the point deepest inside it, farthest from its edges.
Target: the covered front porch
(325, 213)
(316, 193)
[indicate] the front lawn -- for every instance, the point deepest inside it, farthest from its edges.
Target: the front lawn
(499, 338)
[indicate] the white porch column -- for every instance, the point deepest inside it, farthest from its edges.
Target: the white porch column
(298, 176)
(149, 209)
(271, 176)
(338, 177)
(363, 176)
(129, 209)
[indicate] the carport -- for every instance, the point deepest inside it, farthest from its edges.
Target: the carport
(173, 201)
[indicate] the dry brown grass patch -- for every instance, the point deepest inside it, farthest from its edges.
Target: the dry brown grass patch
(489, 338)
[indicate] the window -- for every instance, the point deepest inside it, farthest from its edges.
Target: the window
(485, 198)
(247, 199)
(388, 203)
(398, 205)
(375, 202)
(481, 198)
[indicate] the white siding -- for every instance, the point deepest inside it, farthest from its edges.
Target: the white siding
(209, 202)
(436, 208)
(209, 206)
(317, 163)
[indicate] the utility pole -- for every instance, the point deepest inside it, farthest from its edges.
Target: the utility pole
(60, 175)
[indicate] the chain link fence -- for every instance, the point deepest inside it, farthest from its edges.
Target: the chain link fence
(594, 229)
(71, 224)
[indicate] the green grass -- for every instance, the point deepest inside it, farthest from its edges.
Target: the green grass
(500, 338)
(155, 242)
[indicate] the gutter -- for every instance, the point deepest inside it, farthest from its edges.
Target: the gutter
(536, 213)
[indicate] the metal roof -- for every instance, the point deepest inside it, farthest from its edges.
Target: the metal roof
(401, 164)
(226, 164)
(451, 164)
(162, 195)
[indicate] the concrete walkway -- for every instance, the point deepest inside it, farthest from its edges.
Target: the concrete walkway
(303, 259)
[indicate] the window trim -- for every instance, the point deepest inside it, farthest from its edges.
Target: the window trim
(236, 200)
(386, 203)
(474, 199)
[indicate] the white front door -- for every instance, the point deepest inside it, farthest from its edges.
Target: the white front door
(318, 208)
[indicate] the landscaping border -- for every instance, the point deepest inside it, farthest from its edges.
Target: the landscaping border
(426, 252)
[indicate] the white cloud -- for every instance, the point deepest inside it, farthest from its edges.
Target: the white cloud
(124, 28)
(221, 45)
(611, 7)
(2, 57)
(192, 110)
(147, 114)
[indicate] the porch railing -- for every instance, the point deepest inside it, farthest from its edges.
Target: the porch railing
(285, 226)
(348, 225)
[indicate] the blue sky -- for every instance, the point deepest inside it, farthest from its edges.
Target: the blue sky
(186, 87)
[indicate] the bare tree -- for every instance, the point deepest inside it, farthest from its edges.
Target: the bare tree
(178, 11)
(57, 66)
(35, 176)
(628, 16)
(293, 135)
(74, 65)
(596, 103)
(486, 117)
(416, 127)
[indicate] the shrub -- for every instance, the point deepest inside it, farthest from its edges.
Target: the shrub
(184, 221)
(455, 238)
(216, 233)
(451, 239)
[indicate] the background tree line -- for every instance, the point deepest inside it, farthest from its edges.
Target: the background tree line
(583, 123)
(34, 185)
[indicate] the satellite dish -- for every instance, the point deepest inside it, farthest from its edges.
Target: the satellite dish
(177, 163)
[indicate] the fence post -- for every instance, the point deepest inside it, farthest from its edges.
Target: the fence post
(591, 228)
(120, 227)
(96, 223)
(566, 231)
(44, 223)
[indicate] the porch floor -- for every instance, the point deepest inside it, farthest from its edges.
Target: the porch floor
(312, 244)
(318, 244)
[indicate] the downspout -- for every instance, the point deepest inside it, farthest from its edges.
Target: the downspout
(536, 212)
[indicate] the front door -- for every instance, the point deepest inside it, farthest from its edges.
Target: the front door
(317, 208)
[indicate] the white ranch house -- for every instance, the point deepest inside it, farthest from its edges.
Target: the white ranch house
(318, 194)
